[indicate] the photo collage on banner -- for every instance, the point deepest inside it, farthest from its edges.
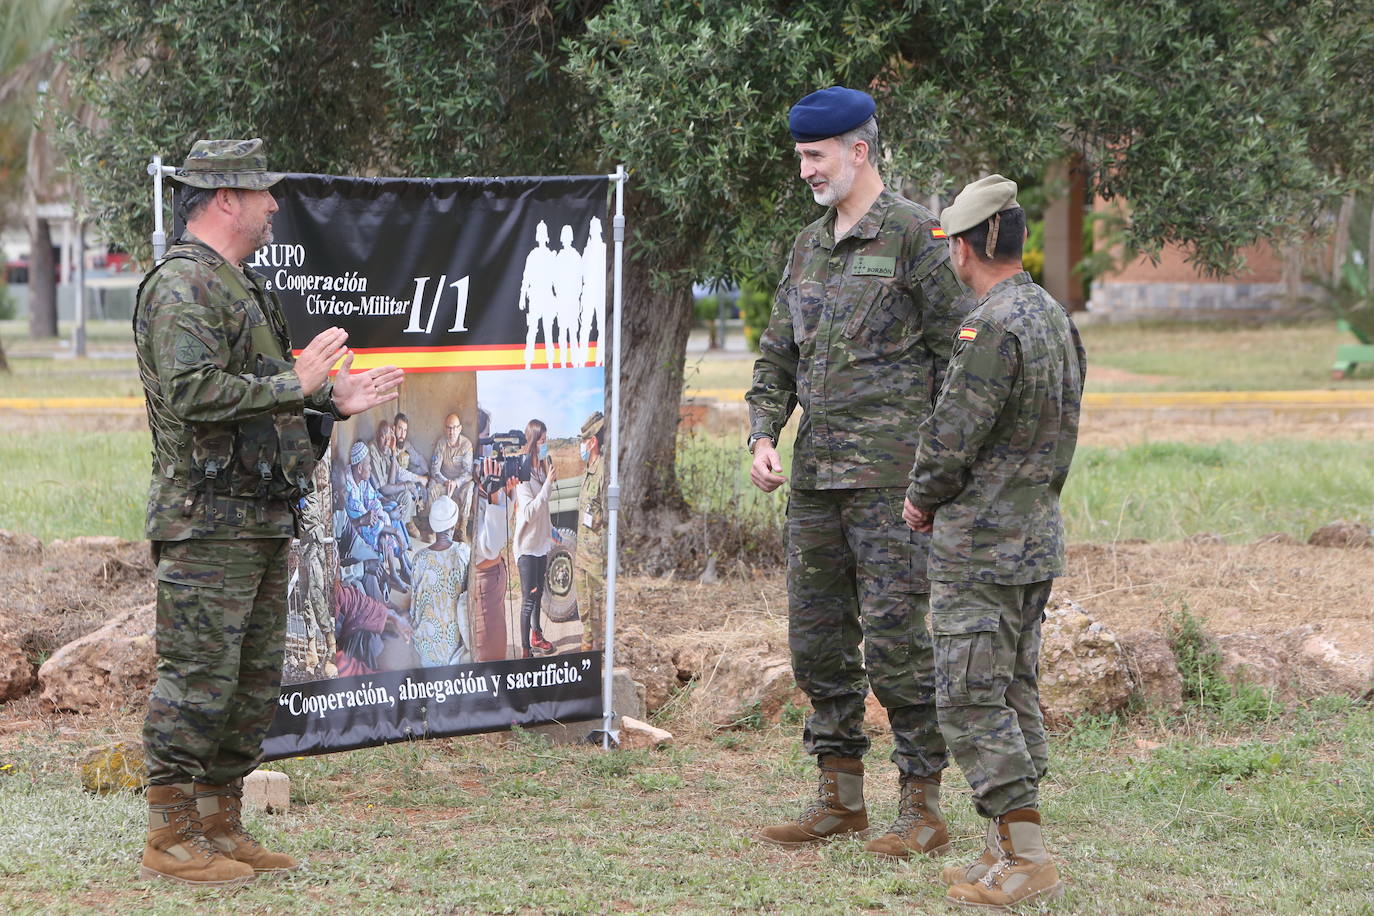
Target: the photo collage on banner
(432, 589)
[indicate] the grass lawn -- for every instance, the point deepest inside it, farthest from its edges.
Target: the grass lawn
(1188, 816)
(1159, 491)
(1159, 357)
(60, 484)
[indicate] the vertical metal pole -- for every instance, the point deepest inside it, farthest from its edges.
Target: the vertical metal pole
(79, 312)
(613, 491)
(159, 237)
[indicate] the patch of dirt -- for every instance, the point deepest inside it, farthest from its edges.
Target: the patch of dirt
(1269, 587)
(50, 595)
(111, 419)
(1107, 429)
(1106, 375)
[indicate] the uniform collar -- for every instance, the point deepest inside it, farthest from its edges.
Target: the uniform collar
(868, 225)
(1020, 278)
(190, 238)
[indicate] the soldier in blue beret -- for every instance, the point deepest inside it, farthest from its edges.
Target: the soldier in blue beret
(861, 331)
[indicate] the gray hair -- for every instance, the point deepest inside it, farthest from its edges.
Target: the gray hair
(191, 200)
(868, 133)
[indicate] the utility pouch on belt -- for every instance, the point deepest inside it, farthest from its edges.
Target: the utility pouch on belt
(321, 427)
(295, 450)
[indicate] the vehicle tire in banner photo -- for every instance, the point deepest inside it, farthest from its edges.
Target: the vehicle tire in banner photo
(432, 590)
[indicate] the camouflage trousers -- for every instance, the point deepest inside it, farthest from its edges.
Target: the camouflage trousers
(221, 627)
(856, 573)
(319, 622)
(590, 588)
(987, 652)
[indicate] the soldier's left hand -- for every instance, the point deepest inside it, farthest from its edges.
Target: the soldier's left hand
(917, 519)
(355, 392)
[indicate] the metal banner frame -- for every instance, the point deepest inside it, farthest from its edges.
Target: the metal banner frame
(608, 735)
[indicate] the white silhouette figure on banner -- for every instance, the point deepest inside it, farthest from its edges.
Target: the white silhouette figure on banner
(593, 296)
(567, 288)
(537, 297)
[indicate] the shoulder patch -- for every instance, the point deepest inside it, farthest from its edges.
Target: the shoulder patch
(968, 333)
(937, 233)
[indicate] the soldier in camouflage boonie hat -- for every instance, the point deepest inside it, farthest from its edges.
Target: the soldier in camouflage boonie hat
(593, 425)
(227, 164)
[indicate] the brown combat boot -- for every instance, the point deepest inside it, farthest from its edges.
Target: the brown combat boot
(1024, 872)
(919, 827)
(968, 874)
(177, 849)
(220, 810)
(837, 810)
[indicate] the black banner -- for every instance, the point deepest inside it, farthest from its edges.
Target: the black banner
(351, 712)
(435, 587)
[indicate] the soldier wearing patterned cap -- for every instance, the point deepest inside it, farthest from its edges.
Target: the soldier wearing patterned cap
(232, 458)
(589, 566)
(992, 460)
(861, 330)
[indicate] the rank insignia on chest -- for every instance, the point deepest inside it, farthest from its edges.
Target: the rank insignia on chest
(968, 333)
(870, 266)
(937, 233)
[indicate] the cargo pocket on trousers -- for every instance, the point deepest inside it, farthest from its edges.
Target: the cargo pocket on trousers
(965, 658)
(187, 622)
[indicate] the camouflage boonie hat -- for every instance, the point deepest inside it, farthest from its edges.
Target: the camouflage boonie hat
(593, 425)
(227, 164)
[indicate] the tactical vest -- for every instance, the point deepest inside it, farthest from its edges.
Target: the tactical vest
(259, 459)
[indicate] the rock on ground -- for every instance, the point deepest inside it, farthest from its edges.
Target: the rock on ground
(635, 734)
(114, 767)
(16, 671)
(1342, 533)
(1083, 669)
(732, 686)
(1153, 669)
(1329, 656)
(267, 791)
(651, 663)
(109, 667)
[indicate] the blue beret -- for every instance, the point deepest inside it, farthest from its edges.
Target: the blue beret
(829, 113)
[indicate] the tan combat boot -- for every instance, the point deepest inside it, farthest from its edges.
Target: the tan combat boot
(837, 810)
(177, 849)
(1023, 873)
(919, 827)
(968, 874)
(220, 810)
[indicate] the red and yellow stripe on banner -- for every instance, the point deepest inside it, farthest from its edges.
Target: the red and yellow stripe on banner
(458, 359)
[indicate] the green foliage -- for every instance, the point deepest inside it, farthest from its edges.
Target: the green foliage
(1204, 685)
(1349, 295)
(755, 307)
(1033, 254)
(1215, 119)
(1228, 763)
(163, 73)
(707, 309)
(7, 305)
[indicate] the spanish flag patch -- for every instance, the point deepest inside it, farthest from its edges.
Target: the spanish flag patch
(937, 233)
(968, 333)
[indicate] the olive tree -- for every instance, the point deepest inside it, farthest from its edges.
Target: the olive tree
(1220, 121)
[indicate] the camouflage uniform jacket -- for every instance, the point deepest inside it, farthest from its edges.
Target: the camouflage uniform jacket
(995, 453)
(591, 520)
(859, 336)
(225, 407)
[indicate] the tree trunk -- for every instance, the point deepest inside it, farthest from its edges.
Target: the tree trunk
(4, 363)
(656, 323)
(42, 283)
